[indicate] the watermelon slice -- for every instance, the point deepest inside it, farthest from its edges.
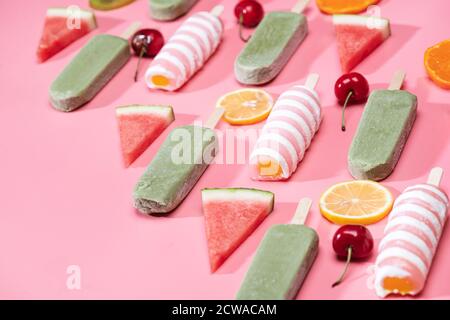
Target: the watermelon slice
(358, 36)
(231, 215)
(61, 29)
(139, 126)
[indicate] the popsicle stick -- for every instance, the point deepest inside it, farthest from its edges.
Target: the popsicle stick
(217, 10)
(300, 6)
(131, 30)
(214, 118)
(312, 80)
(397, 80)
(302, 211)
(435, 176)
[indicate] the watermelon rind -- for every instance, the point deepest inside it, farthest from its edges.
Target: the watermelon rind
(85, 15)
(381, 24)
(163, 111)
(238, 194)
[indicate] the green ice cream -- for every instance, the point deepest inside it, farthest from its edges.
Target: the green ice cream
(282, 262)
(169, 9)
(270, 47)
(90, 70)
(382, 133)
(176, 168)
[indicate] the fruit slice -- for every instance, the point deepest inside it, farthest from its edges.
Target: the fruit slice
(61, 29)
(231, 215)
(108, 4)
(139, 126)
(437, 63)
(358, 36)
(344, 6)
(356, 202)
(245, 106)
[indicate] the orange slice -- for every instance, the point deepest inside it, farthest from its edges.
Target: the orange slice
(437, 63)
(356, 202)
(344, 6)
(245, 106)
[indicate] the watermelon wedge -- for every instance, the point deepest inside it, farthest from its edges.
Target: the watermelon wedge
(357, 36)
(61, 28)
(139, 126)
(231, 215)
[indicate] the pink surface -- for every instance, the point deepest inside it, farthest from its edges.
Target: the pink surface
(66, 198)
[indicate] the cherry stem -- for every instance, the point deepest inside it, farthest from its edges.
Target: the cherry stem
(241, 27)
(349, 95)
(347, 263)
(141, 54)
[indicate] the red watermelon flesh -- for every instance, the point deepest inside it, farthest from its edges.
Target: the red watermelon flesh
(231, 215)
(139, 126)
(60, 30)
(357, 37)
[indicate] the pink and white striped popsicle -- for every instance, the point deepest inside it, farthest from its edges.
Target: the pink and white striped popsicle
(186, 51)
(411, 238)
(287, 134)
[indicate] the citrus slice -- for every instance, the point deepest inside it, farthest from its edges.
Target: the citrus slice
(245, 106)
(437, 63)
(356, 202)
(344, 6)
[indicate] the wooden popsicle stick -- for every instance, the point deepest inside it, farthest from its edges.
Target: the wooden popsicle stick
(300, 6)
(312, 80)
(214, 118)
(397, 80)
(435, 176)
(217, 10)
(131, 30)
(302, 211)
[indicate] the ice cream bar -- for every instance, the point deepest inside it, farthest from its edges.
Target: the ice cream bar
(271, 46)
(166, 10)
(383, 131)
(186, 51)
(288, 133)
(176, 168)
(90, 70)
(282, 261)
(411, 238)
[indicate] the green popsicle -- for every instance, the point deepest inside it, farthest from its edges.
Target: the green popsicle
(167, 10)
(90, 70)
(382, 133)
(271, 46)
(176, 168)
(282, 261)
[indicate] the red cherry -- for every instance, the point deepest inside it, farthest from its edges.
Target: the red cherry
(249, 13)
(146, 43)
(351, 88)
(352, 241)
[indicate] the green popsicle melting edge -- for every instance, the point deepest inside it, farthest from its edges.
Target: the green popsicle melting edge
(284, 258)
(271, 46)
(176, 168)
(91, 69)
(384, 128)
(169, 9)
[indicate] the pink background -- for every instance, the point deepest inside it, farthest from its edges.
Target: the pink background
(66, 198)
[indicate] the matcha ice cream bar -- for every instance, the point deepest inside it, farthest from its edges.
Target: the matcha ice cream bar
(182, 159)
(382, 133)
(282, 261)
(169, 9)
(90, 70)
(271, 46)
